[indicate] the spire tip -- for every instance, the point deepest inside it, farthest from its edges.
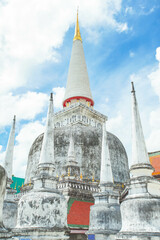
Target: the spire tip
(51, 97)
(77, 35)
(14, 118)
(133, 90)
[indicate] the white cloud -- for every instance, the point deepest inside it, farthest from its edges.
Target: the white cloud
(106, 99)
(155, 81)
(149, 80)
(28, 133)
(131, 54)
(58, 94)
(153, 141)
(129, 10)
(155, 118)
(113, 124)
(13, 74)
(155, 75)
(25, 106)
(31, 31)
(122, 27)
(2, 155)
(158, 54)
(24, 140)
(120, 125)
(95, 13)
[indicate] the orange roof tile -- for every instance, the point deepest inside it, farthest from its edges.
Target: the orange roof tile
(155, 161)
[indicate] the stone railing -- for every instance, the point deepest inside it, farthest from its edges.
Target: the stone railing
(91, 187)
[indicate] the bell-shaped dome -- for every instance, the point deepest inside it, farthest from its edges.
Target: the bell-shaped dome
(88, 146)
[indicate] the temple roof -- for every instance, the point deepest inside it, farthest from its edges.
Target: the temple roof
(154, 158)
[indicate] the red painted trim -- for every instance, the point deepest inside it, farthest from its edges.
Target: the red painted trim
(78, 97)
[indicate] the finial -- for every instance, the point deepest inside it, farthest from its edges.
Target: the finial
(77, 35)
(81, 177)
(69, 173)
(51, 97)
(47, 150)
(93, 178)
(8, 161)
(133, 90)
(14, 118)
(30, 182)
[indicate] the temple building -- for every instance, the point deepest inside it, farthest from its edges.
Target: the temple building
(154, 158)
(77, 173)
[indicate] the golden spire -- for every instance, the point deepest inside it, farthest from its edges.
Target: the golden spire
(77, 35)
(30, 182)
(69, 172)
(81, 176)
(93, 178)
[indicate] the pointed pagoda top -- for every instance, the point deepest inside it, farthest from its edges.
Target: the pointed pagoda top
(133, 90)
(140, 160)
(14, 120)
(77, 35)
(8, 161)
(51, 97)
(78, 88)
(47, 151)
(106, 176)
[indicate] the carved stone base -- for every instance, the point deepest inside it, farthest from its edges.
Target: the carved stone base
(39, 234)
(137, 236)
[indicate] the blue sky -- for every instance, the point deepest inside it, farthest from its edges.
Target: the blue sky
(121, 41)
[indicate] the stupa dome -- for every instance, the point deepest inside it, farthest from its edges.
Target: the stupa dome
(88, 144)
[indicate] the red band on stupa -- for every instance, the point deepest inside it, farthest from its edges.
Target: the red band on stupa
(78, 98)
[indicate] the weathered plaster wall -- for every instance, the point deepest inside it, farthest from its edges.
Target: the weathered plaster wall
(87, 141)
(143, 215)
(42, 209)
(3, 178)
(105, 217)
(10, 214)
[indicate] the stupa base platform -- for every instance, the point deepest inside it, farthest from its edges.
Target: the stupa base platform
(39, 234)
(138, 236)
